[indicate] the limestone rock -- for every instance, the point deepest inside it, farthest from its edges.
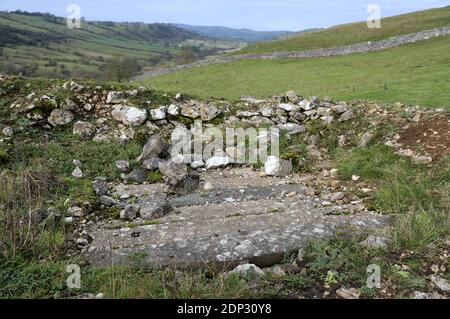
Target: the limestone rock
(155, 207)
(350, 293)
(130, 212)
(123, 166)
(151, 164)
(107, 201)
(115, 97)
(248, 272)
(246, 114)
(293, 97)
(365, 139)
(173, 169)
(288, 107)
(137, 175)
(7, 131)
(173, 110)
(292, 129)
(185, 185)
(155, 147)
(77, 173)
(217, 162)
(129, 115)
(158, 114)
(441, 283)
(60, 117)
(100, 186)
(275, 166)
(209, 112)
(83, 129)
(190, 112)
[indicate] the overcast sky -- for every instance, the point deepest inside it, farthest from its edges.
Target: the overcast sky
(254, 14)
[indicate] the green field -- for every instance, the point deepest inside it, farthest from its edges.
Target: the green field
(414, 74)
(357, 32)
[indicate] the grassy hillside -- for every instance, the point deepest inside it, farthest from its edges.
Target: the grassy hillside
(415, 74)
(45, 42)
(357, 32)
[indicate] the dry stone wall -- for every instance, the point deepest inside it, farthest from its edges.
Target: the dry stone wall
(328, 52)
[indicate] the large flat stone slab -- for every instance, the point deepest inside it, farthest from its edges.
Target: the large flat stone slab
(245, 218)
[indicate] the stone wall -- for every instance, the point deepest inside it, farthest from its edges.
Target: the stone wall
(328, 52)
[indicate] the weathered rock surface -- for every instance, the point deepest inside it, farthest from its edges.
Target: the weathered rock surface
(84, 129)
(244, 218)
(276, 166)
(129, 115)
(60, 117)
(156, 146)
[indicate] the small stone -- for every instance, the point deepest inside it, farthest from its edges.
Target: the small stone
(155, 147)
(77, 173)
(337, 196)
(376, 242)
(365, 140)
(152, 164)
(217, 162)
(208, 186)
(287, 107)
(82, 241)
(77, 211)
(137, 175)
(130, 212)
(275, 271)
(301, 254)
(7, 131)
(422, 295)
(60, 117)
(421, 160)
(83, 129)
(356, 178)
(155, 207)
(107, 201)
(293, 97)
(274, 166)
(100, 186)
(441, 283)
(173, 110)
(68, 220)
(129, 115)
(158, 114)
(248, 272)
(292, 128)
(77, 163)
(347, 116)
(350, 293)
(115, 97)
(123, 166)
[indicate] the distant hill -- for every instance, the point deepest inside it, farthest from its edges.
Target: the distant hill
(225, 33)
(357, 32)
(43, 42)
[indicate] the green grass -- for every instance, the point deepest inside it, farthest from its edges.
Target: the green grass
(357, 32)
(417, 196)
(414, 74)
